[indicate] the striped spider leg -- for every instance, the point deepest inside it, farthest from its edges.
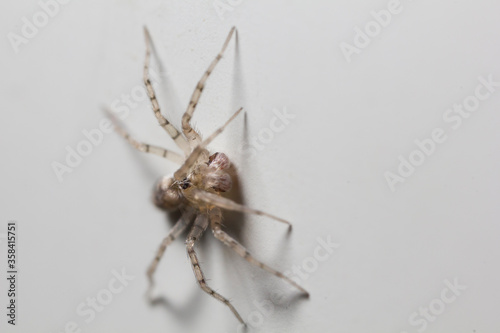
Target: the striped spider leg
(164, 123)
(196, 187)
(194, 137)
(216, 226)
(199, 227)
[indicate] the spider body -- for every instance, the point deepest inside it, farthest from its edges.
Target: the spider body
(195, 188)
(209, 175)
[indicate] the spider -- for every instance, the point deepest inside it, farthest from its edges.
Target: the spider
(196, 187)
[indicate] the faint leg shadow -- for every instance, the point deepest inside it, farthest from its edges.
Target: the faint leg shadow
(184, 312)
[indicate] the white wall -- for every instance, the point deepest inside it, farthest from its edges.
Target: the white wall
(399, 249)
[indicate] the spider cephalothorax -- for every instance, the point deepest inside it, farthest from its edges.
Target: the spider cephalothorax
(196, 187)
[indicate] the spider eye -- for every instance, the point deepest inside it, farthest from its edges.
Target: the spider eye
(167, 196)
(185, 183)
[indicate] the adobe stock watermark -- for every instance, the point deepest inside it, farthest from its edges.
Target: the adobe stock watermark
(454, 117)
(89, 309)
(95, 136)
(426, 315)
(47, 10)
(223, 6)
(277, 124)
(298, 273)
(380, 19)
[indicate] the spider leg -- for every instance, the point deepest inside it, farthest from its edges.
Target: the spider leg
(218, 201)
(193, 137)
(144, 147)
(183, 170)
(176, 230)
(215, 224)
(164, 123)
(200, 225)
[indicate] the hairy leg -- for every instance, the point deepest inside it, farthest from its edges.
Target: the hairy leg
(176, 230)
(183, 170)
(164, 123)
(141, 146)
(193, 137)
(199, 226)
(218, 201)
(215, 224)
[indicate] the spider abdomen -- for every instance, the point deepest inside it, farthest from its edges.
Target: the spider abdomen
(211, 178)
(219, 181)
(219, 161)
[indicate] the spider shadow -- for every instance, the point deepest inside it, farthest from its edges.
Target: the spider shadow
(236, 220)
(288, 305)
(165, 88)
(182, 311)
(235, 225)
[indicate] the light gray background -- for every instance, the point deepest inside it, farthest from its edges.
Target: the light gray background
(324, 171)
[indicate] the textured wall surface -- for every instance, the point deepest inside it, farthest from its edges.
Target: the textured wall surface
(371, 125)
